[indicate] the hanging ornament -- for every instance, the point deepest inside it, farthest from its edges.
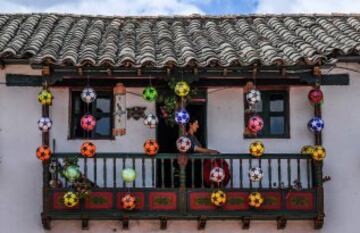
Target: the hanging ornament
(88, 95)
(255, 123)
(319, 153)
(183, 144)
(182, 88)
(128, 175)
(255, 199)
(151, 120)
(217, 175)
(253, 97)
(257, 148)
(128, 202)
(151, 147)
(218, 198)
(44, 124)
(256, 174)
(119, 110)
(43, 152)
(316, 96)
(316, 124)
(45, 97)
(71, 173)
(88, 149)
(182, 116)
(88, 122)
(150, 94)
(71, 199)
(307, 150)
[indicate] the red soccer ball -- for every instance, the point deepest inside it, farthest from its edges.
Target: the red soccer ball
(316, 96)
(88, 122)
(255, 123)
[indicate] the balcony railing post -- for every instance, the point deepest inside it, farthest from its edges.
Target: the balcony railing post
(182, 162)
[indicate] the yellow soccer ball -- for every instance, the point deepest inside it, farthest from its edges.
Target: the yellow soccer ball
(319, 153)
(45, 97)
(255, 199)
(182, 89)
(257, 148)
(218, 198)
(307, 150)
(71, 199)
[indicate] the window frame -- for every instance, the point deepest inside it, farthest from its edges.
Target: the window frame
(267, 114)
(72, 116)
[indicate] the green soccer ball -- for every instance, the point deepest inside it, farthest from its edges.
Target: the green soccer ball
(45, 97)
(72, 173)
(128, 175)
(71, 199)
(150, 94)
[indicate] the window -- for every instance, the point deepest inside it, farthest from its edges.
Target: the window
(274, 109)
(101, 109)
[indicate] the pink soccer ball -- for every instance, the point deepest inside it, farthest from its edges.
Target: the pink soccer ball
(183, 144)
(255, 124)
(88, 122)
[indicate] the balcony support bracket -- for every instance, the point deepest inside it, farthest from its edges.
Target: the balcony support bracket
(84, 224)
(201, 223)
(163, 223)
(281, 223)
(319, 222)
(245, 223)
(125, 223)
(46, 222)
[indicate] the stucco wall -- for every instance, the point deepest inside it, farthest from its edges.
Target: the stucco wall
(21, 172)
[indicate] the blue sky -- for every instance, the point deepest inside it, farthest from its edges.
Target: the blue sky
(228, 6)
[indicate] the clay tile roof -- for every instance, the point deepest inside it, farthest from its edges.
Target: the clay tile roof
(234, 40)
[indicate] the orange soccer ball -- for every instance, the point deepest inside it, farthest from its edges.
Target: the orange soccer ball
(88, 149)
(43, 152)
(151, 147)
(128, 202)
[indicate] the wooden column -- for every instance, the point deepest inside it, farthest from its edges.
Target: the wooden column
(182, 161)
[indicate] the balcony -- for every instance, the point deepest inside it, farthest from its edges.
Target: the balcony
(169, 187)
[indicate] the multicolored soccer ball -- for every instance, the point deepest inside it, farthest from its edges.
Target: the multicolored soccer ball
(182, 116)
(217, 175)
(218, 198)
(88, 122)
(253, 97)
(255, 199)
(316, 96)
(307, 150)
(71, 173)
(257, 149)
(128, 202)
(255, 123)
(151, 147)
(128, 175)
(88, 149)
(319, 153)
(43, 152)
(71, 199)
(183, 144)
(88, 95)
(44, 124)
(45, 97)
(151, 120)
(182, 88)
(316, 124)
(256, 174)
(150, 94)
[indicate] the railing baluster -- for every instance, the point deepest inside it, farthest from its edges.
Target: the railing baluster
(231, 174)
(250, 166)
(172, 172)
(95, 171)
(85, 167)
(192, 173)
(289, 172)
(270, 173)
(298, 170)
(260, 182)
(123, 162)
(202, 172)
(162, 173)
(308, 170)
(104, 172)
(279, 173)
(143, 172)
(241, 172)
(152, 173)
(133, 166)
(114, 172)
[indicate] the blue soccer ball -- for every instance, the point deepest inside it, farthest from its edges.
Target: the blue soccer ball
(316, 124)
(182, 116)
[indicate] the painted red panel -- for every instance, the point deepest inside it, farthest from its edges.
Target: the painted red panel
(300, 201)
(140, 199)
(162, 201)
(99, 200)
(272, 201)
(58, 202)
(202, 201)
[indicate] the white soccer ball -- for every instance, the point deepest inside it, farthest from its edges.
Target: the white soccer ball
(217, 175)
(183, 144)
(151, 120)
(88, 95)
(44, 124)
(253, 97)
(256, 174)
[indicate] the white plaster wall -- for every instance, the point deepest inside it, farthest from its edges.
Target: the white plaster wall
(21, 172)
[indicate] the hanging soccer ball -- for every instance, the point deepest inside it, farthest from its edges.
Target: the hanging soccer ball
(316, 124)
(128, 175)
(45, 97)
(151, 120)
(71, 199)
(150, 94)
(71, 173)
(319, 153)
(218, 198)
(151, 147)
(88, 122)
(182, 116)
(255, 199)
(253, 97)
(128, 202)
(316, 96)
(88, 95)
(44, 124)
(183, 144)
(43, 152)
(256, 148)
(307, 150)
(256, 174)
(217, 175)
(88, 149)
(182, 88)
(255, 123)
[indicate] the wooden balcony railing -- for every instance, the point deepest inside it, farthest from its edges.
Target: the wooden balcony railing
(169, 186)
